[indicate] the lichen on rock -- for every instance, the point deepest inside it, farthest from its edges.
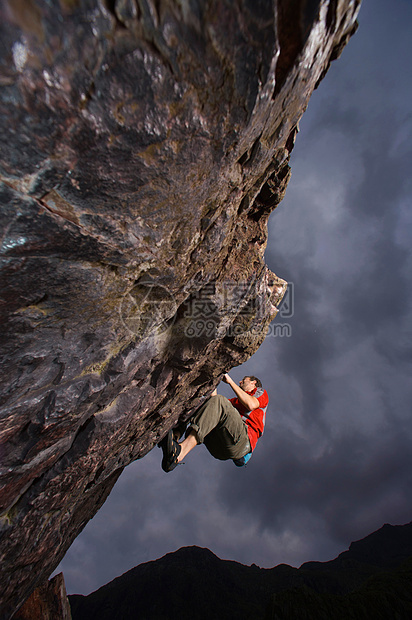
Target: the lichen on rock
(144, 145)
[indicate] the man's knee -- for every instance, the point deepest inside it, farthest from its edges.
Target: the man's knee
(217, 397)
(216, 403)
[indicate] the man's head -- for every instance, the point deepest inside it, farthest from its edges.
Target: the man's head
(249, 383)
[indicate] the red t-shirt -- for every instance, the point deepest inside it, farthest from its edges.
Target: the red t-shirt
(255, 420)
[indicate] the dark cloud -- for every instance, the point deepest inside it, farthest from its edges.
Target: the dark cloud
(335, 461)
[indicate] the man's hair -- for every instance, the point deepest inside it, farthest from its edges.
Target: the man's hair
(258, 381)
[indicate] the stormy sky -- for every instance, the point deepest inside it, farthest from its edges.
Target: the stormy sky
(335, 462)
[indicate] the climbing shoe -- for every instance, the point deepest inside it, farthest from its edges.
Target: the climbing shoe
(171, 450)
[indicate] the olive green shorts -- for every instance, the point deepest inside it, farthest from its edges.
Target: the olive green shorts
(219, 426)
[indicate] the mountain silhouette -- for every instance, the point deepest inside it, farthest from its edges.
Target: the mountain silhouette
(371, 580)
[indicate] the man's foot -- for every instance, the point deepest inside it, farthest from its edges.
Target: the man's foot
(171, 450)
(179, 430)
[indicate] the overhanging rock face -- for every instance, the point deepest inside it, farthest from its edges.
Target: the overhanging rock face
(143, 146)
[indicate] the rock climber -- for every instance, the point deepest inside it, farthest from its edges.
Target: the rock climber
(229, 428)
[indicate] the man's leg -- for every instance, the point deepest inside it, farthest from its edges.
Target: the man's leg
(205, 420)
(187, 445)
(220, 427)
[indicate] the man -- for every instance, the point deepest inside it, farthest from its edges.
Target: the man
(229, 428)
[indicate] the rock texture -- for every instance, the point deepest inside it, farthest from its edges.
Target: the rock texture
(371, 580)
(143, 145)
(47, 602)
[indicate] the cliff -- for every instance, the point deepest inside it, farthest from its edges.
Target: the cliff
(47, 602)
(143, 147)
(371, 580)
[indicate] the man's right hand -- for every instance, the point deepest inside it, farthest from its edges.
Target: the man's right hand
(249, 401)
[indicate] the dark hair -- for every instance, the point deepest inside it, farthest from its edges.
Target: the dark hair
(258, 381)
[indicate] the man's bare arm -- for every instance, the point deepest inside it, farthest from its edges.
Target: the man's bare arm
(250, 402)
